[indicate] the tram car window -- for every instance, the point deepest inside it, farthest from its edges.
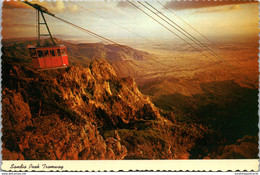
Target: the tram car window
(40, 53)
(63, 52)
(58, 51)
(33, 53)
(46, 53)
(52, 52)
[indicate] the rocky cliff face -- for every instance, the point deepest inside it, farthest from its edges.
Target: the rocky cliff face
(60, 114)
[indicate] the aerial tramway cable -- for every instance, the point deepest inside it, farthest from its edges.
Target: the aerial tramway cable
(163, 25)
(167, 28)
(179, 29)
(185, 22)
(88, 31)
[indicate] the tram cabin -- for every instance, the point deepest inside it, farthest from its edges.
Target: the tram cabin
(49, 57)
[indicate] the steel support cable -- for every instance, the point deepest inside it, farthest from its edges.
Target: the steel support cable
(93, 36)
(196, 40)
(82, 29)
(181, 30)
(165, 27)
(36, 21)
(88, 31)
(182, 38)
(119, 25)
(186, 23)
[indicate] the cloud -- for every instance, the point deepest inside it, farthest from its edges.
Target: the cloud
(218, 9)
(15, 4)
(59, 7)
(182, 5)
(73, 8)
(6, 24)
(54, 7)
(124, 4)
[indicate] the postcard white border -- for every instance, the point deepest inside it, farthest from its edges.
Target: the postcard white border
(140, 165)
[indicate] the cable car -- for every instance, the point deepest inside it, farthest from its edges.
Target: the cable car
(52, 57)
(46, 57)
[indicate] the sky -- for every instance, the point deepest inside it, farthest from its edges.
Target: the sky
(122, 22)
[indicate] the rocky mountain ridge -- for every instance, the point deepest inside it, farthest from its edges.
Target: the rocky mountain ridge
(58, 116)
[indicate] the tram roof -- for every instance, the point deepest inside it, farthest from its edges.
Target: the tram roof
(47, 47)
